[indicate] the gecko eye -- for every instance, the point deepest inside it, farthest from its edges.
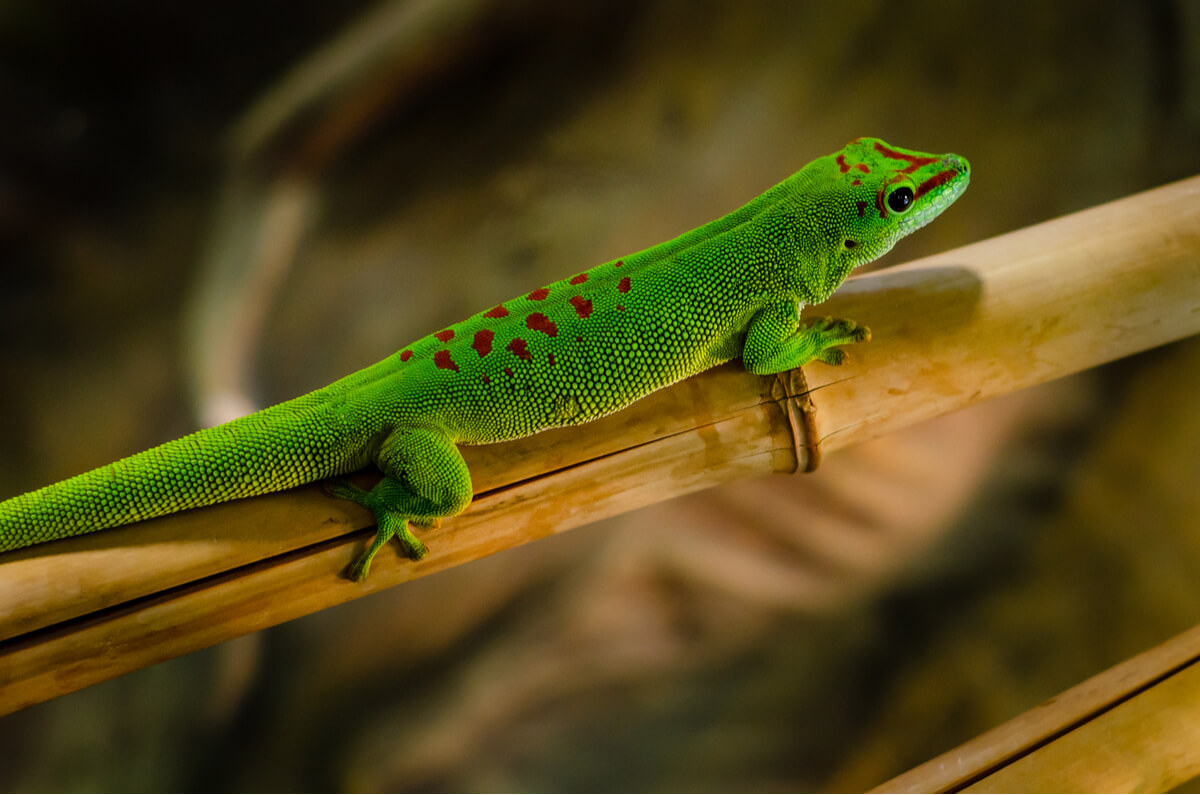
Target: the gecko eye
(900, 199)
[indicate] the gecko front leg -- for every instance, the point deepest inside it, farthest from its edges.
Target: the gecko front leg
(776, 341)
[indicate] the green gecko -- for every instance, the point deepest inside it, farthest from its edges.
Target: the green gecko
(564, 354)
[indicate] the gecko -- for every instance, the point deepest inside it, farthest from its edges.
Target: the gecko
(567, 353)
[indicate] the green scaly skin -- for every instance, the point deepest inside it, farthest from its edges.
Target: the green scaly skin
(564, 354)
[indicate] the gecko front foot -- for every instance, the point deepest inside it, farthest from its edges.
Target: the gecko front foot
(828, 334)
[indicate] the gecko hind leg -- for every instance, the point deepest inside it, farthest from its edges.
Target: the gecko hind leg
(425, 479)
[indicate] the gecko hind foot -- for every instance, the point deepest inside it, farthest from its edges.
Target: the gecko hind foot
(390, 527)
(391, 524)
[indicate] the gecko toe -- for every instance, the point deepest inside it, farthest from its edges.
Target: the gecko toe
(832, 356)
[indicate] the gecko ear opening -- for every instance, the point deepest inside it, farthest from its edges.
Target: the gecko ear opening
(849, 244)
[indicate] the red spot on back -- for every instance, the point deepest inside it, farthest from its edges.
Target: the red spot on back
(445, 335)
(539, 322)
(539, 294)
(444, 361)
(483, 342)
(583, 306)
(862, 208)
(623, 285)
(552, 360)
(618, 263)
(841, 161)
(937, 179)
(405, 355)
(863, 168)
(913, 161)
(580, 279)
(496, 311)
(518, 346)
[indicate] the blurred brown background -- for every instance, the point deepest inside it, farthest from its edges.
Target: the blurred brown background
(817, 632)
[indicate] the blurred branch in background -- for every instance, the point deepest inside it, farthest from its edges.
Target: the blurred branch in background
(277, 154)
(1133, 728)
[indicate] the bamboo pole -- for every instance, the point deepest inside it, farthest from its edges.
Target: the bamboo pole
(1132, 728)
(47, 584)
(949, 331)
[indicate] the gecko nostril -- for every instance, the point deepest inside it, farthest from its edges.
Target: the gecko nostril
(956, 163)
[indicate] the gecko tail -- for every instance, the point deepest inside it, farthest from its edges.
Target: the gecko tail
(271, 450)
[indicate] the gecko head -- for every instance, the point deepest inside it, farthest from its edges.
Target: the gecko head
(883, 193)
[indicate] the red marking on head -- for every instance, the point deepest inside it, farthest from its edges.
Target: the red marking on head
(539, 322)
(405, 355)
(879, 203)
(580, 279)
(913, 161)
(508, 371)
(938, 179)
(841, 161)
(862, 208)
(856, 182)
(583, 306)
(487, 380)
(496, 311)
(623, 285)
(618, 263)
(444, 361)
(445, 335)
(863, 168)
(483, 342)
(551, 360)
(539, 294)
(518, 347)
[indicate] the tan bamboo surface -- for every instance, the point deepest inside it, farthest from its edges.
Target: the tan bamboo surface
(1133, 728)
(949, 330)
